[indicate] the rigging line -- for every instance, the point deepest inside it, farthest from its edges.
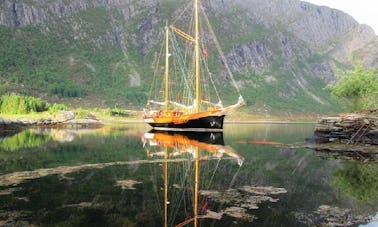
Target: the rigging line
(234, 177)
(215, 170)
(182, 65)
(217, 45)
(186, 8)
(155, 75)
(182, 198)
(190, 28)
(230, 186)
(185, 50)
(177, 199)
(178, 66)
(211, 77)
(154, 182)
(205, 64)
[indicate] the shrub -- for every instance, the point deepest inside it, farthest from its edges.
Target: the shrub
(118, 113)
(81, 113)
(69, 90)
(19, 104)
(56, 108)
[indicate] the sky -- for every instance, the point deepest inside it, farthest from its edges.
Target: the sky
(363, 11)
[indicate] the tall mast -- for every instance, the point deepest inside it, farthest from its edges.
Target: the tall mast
(166, 67)
(197, 57)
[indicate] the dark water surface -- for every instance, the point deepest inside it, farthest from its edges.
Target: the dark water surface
(251, 175)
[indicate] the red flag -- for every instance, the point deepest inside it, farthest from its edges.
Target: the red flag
(205, 53)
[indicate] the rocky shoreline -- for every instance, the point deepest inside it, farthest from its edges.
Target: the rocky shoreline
(349, 129)
(351, 134)
(64, 119)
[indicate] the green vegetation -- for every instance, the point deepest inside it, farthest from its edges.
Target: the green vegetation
(56, 107)
(28, 106)
(20, 104)
(102, 113)
(118, 113)
(357, 88)
(64, 63)
(15, 104)
(70, 90)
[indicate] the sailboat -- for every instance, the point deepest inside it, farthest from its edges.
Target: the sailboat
(187, 100)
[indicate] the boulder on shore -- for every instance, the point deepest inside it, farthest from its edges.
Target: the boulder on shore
(63, 116)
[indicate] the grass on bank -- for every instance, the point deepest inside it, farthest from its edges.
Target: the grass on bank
(20, 106)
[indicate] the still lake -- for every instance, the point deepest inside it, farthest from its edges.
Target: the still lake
(125, 175)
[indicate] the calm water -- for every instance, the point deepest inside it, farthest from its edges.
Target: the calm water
(251, 175)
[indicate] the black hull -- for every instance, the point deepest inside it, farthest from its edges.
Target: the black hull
(206, 124)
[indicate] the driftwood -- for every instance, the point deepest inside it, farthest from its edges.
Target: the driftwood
(349, 129)
(348, 136)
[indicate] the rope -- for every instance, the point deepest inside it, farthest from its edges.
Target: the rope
(182, 66)
(155, 75)
(211, 78)
(224, 60)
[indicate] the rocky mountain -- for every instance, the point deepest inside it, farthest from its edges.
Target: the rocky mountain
(99, 52)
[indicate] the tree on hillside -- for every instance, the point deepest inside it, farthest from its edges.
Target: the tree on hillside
(357, 88)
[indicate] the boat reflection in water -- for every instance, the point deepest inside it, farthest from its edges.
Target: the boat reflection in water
(192, 163)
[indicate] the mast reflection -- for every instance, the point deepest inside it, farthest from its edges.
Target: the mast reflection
(190, 164)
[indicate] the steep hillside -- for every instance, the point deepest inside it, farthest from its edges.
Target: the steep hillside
(100, 52)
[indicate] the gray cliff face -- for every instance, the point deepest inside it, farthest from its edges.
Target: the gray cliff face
(253, 56)
(317, 25)
(295, 38)
(35, 12)
(20, 13)
(329, 30)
